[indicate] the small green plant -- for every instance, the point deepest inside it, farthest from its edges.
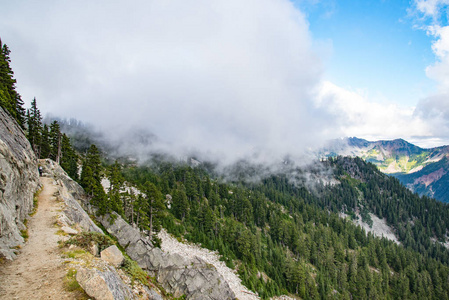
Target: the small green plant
(135, 272)
(35, 202)
(70, 281)
(61, 232)
(157, 242)
(24, 234)
(73, 286)
(75, 253)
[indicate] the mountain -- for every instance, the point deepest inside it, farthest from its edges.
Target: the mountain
(432, 180)
(424, 171)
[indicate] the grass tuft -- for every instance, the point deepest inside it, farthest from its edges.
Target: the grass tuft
(77, 253)
(35, 202)
(73, 286)
(135, 272)
(25, 234)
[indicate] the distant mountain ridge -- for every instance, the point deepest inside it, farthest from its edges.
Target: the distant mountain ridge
(424, 171)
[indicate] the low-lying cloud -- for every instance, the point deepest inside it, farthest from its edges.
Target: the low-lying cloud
(226, 78)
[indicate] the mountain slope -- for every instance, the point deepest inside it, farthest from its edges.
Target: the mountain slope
(423, 171)
(431, 181)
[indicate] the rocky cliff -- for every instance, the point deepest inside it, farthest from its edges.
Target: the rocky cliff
(177, 274)
(99, 274)
(19, 179)
(70, 192)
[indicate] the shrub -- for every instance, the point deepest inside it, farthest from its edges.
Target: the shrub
(85, 239)
(135, 272)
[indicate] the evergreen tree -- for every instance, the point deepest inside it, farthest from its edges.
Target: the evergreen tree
(69, 158)
(34, 127)
(10, 99)
(55, 141)
(87, 179)
(45, 148)
(100, 200)
(155, 206)
(116, 181)
(180, 203)
(91, 171)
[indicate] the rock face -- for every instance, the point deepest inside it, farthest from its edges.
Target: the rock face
(100, 281)
(103, 285)
(178, 275)
(70, 192)
(19, 179)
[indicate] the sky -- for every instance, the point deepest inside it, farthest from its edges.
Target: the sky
(233, 78)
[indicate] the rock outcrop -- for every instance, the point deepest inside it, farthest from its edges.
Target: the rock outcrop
(19, 179)
(100, 278)
(113, 256)
(70, 192)
(178, 275)
(192, 277)
(103, 285)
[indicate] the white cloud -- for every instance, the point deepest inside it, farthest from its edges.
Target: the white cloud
(431, 8)
(434, 109)
(439, 71)
(227, 77)
(361, 117)
(224, 76)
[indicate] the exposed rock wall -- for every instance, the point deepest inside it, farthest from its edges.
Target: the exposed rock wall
(70, 192)
(104, 285)
(100, 279)
(177, 274)
(19, 179)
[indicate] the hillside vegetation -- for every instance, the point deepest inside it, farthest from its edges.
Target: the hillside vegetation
(424, 171)
(285, 237)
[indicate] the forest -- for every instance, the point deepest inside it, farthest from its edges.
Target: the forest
(282, 236)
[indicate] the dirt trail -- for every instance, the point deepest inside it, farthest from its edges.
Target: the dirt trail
(38, 272)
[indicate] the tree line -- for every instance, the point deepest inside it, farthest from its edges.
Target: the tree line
(47, 141)
(279, 236)
(10, 99)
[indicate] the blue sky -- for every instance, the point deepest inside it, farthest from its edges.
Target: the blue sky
(376, 47)
(234, 77)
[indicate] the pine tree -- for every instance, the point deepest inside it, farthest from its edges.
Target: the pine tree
(180, 203)
(156, 207)
(116, 180)
(55, 141)
(91, 171)
(100, 200)
(34, 126)
(45, 148)
(87, 179)
(69, 158)
(10, 99)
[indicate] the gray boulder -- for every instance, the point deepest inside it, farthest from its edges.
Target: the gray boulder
(103, 285)
(112, 255)
(19, 180)
(177, 274)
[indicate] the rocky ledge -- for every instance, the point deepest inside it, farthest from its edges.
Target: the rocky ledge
(179, 275)
(19, 181)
